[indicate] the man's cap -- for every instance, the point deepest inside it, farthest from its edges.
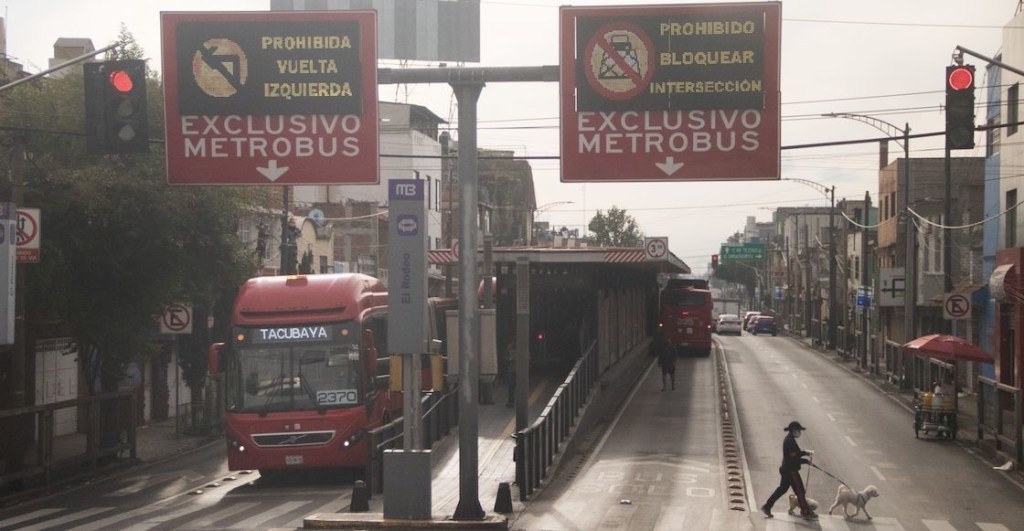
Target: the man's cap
(794, 426)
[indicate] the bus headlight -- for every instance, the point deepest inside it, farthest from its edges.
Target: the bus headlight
(240, 448)
(354, 438)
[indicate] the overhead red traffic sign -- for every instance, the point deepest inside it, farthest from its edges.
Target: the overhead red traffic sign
(670, 92)
(271, 97)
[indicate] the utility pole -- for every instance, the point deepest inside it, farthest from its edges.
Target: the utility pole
(467, 84)
(865, 272)
(833, 315)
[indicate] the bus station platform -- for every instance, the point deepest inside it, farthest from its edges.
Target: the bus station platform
(496, 472)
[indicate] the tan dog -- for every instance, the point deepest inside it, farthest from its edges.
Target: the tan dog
(794, 506)
(845, 496)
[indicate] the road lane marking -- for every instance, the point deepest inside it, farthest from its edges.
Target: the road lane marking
(830, 417)
(849, 440)
(815, 399)
(59, 522)
(23, 517)
(877, 473)
(938, 525)
(255, 520)
(991, 527)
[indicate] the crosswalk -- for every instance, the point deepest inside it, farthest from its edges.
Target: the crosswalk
(190, 514)
(826, 522)
(265, 514)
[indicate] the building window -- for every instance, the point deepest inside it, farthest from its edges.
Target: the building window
(1012, 95)
(1011, 218)
(992, 137)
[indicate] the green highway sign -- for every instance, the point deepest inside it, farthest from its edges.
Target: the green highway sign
(745, 251)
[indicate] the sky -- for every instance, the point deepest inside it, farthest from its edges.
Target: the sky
(881, 58)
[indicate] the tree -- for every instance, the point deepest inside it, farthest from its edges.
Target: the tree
(616, 228)
(118, 244)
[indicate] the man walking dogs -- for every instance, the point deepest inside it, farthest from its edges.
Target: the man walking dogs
(792, 458)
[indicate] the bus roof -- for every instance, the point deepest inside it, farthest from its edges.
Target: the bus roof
(298, 299)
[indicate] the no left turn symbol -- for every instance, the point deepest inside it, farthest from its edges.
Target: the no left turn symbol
(957, 306)
(619, 61)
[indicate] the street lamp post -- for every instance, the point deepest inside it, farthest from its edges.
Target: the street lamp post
(830, 193)
(910, 258)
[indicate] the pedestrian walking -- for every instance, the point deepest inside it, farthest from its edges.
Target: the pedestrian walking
(792, 458)
(666, 360)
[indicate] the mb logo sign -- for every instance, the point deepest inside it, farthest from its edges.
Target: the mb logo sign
(405, 190)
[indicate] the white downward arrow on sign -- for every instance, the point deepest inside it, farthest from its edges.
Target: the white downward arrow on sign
(272, 172)
(669, 166)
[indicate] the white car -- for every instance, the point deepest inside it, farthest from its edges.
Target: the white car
(730, 324)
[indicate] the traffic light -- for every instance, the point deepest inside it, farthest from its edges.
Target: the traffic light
(960, 107)
(115, 107)
(714, 262)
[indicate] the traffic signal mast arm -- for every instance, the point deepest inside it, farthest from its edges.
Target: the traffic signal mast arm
(76, 60)
(959, 59)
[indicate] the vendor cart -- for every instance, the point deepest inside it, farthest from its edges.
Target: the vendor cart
(934, 414)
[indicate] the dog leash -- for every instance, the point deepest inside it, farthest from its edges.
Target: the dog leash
(826, 472)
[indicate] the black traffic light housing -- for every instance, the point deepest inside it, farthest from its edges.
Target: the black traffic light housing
(960, 107)
(714, 262)
(115, 107)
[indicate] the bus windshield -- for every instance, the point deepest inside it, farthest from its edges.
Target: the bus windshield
(685, 297)
(283, 377)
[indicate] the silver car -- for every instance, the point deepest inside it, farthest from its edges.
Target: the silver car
(730, 324)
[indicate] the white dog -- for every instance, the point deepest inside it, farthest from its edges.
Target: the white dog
(846, 496)
(794, 506)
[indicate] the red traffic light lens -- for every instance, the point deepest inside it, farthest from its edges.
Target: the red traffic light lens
(961, 79)
(121, 81)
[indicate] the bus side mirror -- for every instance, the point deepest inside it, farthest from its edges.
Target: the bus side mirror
(213, 358)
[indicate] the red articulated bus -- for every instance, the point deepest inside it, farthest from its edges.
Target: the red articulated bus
(306, 372)
(685, 319)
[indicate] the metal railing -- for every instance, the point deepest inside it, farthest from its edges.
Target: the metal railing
(440, 414)
(537, 445)
(996, 401)
(32, 454)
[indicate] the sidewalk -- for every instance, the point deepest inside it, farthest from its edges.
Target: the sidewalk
(158, 441)
(967, 410)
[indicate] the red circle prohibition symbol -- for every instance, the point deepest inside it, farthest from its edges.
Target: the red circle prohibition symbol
(176, 317)
(619, 61)
(27, 230)
(957, 305)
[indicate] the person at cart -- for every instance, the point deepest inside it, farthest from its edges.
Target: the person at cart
(792, 458)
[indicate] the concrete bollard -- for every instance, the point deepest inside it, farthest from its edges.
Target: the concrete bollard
(360, 498)
(503, 503)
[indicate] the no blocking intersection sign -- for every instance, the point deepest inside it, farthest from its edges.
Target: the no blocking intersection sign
(271, 97)
(670, 93)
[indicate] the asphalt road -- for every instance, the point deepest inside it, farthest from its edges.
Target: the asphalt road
(658, 463)
(864, 437)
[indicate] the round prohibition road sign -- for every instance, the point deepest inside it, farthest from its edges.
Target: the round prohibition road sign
(957, 306)
(656, 248)
(177, 317)
(27, 228)
(220, 67)
(619, 61)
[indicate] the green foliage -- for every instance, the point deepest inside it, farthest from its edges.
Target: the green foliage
(117, 243)
(616, 229)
